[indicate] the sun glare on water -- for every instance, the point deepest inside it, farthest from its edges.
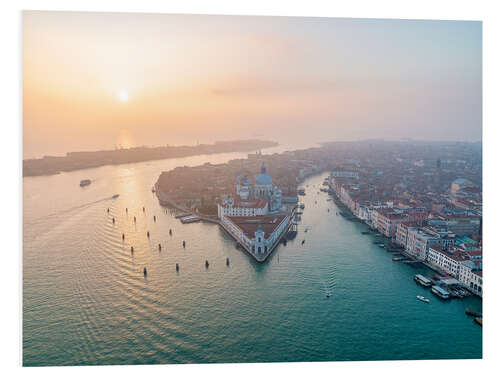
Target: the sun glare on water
(123, 95)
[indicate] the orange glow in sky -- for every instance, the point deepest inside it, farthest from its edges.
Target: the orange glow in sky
(91, 80)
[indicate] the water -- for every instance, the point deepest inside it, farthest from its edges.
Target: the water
(86, 301)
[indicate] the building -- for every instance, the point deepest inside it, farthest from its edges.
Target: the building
(421, 239)
(262, 189)
(242, 207)
(259, 234)
(461, 224)
(344, 174)
(459, 184)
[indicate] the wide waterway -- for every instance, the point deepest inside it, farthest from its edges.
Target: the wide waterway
(86, 301)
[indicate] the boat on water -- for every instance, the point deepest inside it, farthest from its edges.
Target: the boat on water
(440, 292)
(422, 280)
(381, 245)
(85, 182)
(476, 314)
(423, 299)
(115, 196)
(479, 321)
(397, 259)
(365, 232)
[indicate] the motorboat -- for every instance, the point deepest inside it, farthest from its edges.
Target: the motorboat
(85, 182)
(423, 299)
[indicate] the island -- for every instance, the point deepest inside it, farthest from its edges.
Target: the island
(90, 159)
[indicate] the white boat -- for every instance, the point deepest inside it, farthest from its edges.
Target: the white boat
(423, 299)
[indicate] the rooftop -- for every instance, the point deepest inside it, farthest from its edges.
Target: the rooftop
(250, 225)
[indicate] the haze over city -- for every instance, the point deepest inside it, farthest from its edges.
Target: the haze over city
(100, 80)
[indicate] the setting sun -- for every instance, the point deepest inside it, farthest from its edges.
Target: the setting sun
(123, 95)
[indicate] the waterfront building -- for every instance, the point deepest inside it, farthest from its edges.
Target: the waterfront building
(345, 174)
(259, 234)
(421, 239)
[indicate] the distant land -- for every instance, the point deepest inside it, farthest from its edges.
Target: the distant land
(90, 159)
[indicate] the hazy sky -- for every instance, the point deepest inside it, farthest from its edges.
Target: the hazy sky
(193, 78)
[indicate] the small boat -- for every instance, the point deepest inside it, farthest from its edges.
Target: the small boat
(328, 295)
(476, 314)
(115, 196)
(381, 245)
(397, 259)
(85, 183)
(177, 267)
(206, 264)
(227, 261)
(145, 272)
(365, 232)
(479, 321)
(423, 299)
(303, 241)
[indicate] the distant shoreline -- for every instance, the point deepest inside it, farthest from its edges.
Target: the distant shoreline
(50, 165)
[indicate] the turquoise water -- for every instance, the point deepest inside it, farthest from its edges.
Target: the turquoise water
(86, 301)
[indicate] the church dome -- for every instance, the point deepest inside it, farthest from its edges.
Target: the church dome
(263, 178)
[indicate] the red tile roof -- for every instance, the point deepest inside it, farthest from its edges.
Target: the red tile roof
(250, 224)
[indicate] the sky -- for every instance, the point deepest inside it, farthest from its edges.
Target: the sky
(104, 80)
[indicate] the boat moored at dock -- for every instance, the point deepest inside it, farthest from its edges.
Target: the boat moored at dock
(422, 280)
(440, 292)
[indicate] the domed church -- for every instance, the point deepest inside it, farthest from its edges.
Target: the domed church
(263, 188)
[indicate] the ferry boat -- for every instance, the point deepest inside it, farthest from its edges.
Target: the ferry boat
(423, 299)
(440, 292)
(85, 182)
(422, 280)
